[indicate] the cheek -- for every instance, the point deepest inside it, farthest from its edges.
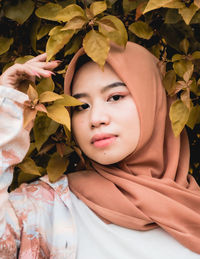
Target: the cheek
(78, 128)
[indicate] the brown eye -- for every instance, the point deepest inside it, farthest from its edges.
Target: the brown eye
(81, 107)
(116, 97)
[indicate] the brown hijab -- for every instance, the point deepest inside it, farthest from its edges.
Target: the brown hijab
(150, 187)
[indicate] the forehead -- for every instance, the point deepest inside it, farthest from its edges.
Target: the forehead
(91, 75)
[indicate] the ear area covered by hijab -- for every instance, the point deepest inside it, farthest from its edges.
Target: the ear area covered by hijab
(150, 187)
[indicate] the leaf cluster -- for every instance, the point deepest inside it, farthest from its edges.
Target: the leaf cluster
(168, 28)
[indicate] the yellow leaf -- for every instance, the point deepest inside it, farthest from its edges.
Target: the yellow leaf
(196, 55)
(179, 114)
(32, 93)
(130, 5)
(119, 36)
(24, 59)
(46, 84)
(73, 46)
(197, 3)
(28, 166)
(44, 30)
(96, 46)
(5, 44)
(55, 30)
(177, 57)
(29, 116)
(106, 25)
(19, 12)
(155, 4)
(49, 97)
(57, 41)
(185, 98)
(188, 12)
(141, 29)
(169, 81)
(69, 12)
(59, 114)
(193, 117)
(182, 66)
(57, 165)
(184, 45)
(43, 128)
(68, 101)
(48, 11)
(75, 23)
(98, 7)
(188, 74)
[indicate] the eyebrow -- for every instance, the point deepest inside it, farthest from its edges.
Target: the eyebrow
(104, 89)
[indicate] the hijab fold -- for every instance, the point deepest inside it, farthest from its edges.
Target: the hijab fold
(151, 187)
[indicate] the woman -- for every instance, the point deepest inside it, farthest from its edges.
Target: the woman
(133, 199)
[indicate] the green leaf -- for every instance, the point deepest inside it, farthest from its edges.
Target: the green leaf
(68, 100)
(46, 84)
(179, 114)
(169, 81)
(59, 114)
(188, 12)
(19, 12)
(49, 96)
(98, 7)
(28, 166)
(193, 116)
(43, 128)
(75, 23)
(57, 41)
(5, 44)
(141, 29)
(44, 30)
(48, 11)
(96, 46)
(69, 12)
(119, 36)
(57, 165)
(182, 66)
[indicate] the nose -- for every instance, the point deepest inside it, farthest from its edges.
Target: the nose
(99, 116)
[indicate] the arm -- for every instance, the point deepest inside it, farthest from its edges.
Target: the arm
(14, 143)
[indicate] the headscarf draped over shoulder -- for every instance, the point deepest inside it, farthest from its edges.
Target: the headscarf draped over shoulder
(150, 187)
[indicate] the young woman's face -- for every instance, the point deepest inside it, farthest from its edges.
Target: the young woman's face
(106, 127)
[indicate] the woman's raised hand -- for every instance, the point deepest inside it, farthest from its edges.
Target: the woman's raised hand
(19, 76)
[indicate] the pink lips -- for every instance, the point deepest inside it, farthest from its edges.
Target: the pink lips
(103, 140)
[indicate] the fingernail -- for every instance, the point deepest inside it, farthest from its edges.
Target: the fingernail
(57, 61)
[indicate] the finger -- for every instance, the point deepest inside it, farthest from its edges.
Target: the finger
(41, 57)
(48, 66)
(40, 71)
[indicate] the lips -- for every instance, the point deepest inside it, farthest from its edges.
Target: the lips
(103, 140)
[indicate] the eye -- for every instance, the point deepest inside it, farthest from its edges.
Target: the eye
(116, 97)
(81, 107)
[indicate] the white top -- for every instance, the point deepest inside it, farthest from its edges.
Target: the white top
(98, 240)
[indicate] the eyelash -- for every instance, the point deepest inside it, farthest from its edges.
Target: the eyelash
(85, 105)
